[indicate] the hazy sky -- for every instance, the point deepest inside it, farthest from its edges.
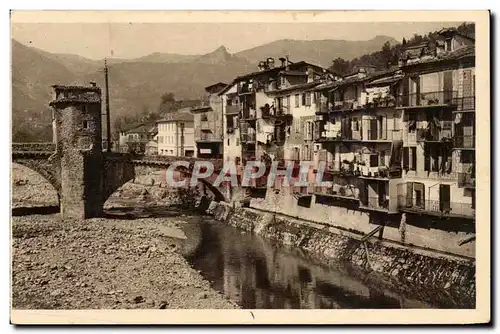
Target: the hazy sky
(122, 40)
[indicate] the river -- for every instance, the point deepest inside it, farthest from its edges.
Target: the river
(258, 274)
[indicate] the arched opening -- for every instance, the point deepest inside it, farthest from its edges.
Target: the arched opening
(31, 190)
(148, 194)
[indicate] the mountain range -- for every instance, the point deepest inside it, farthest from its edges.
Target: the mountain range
(136, 85)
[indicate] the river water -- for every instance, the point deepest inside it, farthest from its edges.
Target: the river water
(258, 274)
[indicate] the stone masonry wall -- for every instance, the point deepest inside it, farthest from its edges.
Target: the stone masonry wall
(448, 279)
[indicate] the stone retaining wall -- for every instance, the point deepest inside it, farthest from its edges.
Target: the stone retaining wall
(450, 280)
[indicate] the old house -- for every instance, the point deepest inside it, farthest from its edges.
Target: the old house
(437, 100)
(176, 134)
(358, 138)
(138, 138)
(208, 123)
(262, 106)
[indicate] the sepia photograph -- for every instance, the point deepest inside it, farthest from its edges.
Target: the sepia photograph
(322, 165)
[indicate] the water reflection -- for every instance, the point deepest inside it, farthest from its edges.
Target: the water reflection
(258, 274)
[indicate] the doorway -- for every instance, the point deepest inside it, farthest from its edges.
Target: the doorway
(444, 198)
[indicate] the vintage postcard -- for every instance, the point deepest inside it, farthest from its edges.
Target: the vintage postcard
(250, 167)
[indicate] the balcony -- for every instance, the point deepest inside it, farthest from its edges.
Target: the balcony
(465, 104)
(433, 135)
(436, 208)
(207, 137)
(427, 99)
(246, 88)
(340, 192)
(388, 136)
(466, 180)
(464, 142)
(276, 113)
(232, 110)
(248, 114)
(374, 203)
(205, 125)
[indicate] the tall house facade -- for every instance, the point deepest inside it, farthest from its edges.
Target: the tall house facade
(357, 137)
(208, 123)
(231, 124)
(437, 99)
(267, 110)
(176, 134)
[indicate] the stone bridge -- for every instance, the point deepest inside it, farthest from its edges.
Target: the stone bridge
(83, 194)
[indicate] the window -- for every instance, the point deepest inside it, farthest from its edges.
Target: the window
(85, 124)
(308, 99)
(374, 160)
(355, 124)
(228, 142)
(395, 120)
(304, 99)
(448, 45)
(297, 125)
(431, 159)
(237, 141)
(413, 158)
(130, 137)
(382, 158)
(204, 117)
(410, 158)
(297, 101)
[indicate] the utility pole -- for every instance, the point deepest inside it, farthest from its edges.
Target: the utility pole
(108, 118)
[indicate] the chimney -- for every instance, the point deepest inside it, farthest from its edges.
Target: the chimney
(287, 63)
(283, 61)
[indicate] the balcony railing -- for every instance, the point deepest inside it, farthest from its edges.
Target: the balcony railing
(389, 135)
(248, 114)
(466, 180)
(431, 135)
(436, 207)
(464, 141)
(427, 99)
(205, 125)
(339, 192)
(233, 110)
(278, 112)
(248, 137)
(375, 203)
(207, 137)
(467, 103)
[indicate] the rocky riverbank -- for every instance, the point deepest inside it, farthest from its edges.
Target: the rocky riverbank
(121, 263)
(104, 263)
(434, 278)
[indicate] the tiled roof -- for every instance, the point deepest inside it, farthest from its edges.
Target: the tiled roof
(465, 52)
(356, 79)
(77, 99)
(140, 128)
(84, 88)
(183, 115)
(276, 70)
(299, 86)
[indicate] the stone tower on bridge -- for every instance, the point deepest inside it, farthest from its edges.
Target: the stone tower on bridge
(78, 138)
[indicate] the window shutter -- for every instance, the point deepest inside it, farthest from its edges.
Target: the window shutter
(406, 157)
(413, 158)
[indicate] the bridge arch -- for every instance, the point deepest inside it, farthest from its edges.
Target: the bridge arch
(118, 172)
(30, 167)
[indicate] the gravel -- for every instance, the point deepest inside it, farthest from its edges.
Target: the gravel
(103, 263)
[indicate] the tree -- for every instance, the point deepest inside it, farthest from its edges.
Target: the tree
(167, 97)
(340, 66)
(404, 41)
